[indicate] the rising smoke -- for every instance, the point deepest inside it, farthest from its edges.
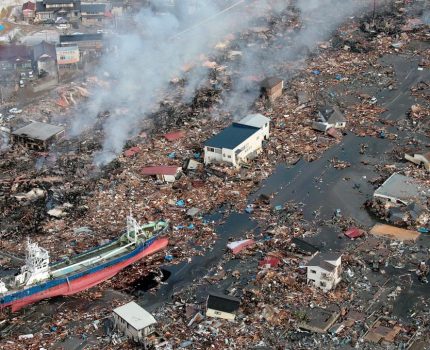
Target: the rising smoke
(146, 59)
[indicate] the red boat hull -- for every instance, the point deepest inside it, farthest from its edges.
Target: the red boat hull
(87, 281)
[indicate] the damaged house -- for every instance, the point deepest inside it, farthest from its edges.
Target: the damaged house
(401, 189)
(421, 159)
(272, 87)
(134, 321)
(38, 136)
(164, 173)
(238, 143)
(329, 117)
(324, 270)
(45, 59)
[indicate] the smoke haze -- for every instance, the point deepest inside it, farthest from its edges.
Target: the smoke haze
(157, 49)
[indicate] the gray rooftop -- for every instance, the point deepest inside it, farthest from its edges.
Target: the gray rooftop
(38, 131)
(322, 260)
(402, 188)
(255, 120)
(135, 315)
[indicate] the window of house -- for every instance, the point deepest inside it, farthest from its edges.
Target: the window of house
(324, 275)
(217, 150)
(211, 149)
(313, 271)
(323, 284)
(228, 156)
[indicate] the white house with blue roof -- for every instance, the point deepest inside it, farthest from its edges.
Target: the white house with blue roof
(239, 142)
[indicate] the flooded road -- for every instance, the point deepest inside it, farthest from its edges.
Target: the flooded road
(318, 186)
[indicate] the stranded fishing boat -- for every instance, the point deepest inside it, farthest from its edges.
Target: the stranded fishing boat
(38, 279)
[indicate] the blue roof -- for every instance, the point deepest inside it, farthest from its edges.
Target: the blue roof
(232, 136)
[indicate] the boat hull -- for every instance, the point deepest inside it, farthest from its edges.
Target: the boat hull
(86, 281)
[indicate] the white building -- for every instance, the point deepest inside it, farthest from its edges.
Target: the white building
(324, 270)
(239, 142)
(134, 321)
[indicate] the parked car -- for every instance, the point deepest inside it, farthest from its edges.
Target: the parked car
(21, 83)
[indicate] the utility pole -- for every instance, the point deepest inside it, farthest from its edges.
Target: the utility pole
(374, 11)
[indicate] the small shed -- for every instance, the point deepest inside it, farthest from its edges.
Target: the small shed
(222, 306)
(38, 136)
(272, 88)
(134, 321)
(167, 173)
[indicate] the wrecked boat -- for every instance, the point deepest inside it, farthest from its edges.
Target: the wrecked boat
(38, 279)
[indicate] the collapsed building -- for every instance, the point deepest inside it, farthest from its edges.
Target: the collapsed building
(38, 136)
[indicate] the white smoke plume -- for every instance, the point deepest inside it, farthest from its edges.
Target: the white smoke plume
(156, 50)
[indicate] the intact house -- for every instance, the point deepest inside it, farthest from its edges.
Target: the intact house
(401, 189)
(324, 270)
(329, 117)
(272, 87)
(134, 321)
(95, 14)
(239, 142)
(88, 44)
(53, 10)
(222, 306)
(29, 11)
(37, 136)
(164, 173)
(45, 59)
(421, 159)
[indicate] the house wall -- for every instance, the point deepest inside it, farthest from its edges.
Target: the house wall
(220, 314)
(127, 329)
(168, 178)
(339, 125)
(212, 155)
(275, 92)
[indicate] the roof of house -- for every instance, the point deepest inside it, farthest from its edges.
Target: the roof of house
(93, 7)
(161, 170)
(271, 82)
(80, 37)
(44, 48)
(403, 188)
(232, 136)
(255, 120)
(322, 260)
(331, 114)
(135, 315)
(222, 302)
(14, 52)
(304, 246)
(38, 131)
(174, 135)
(28, 6)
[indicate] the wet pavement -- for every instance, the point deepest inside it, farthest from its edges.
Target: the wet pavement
(321, 189)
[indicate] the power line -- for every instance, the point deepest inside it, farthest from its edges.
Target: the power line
(210, 18)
